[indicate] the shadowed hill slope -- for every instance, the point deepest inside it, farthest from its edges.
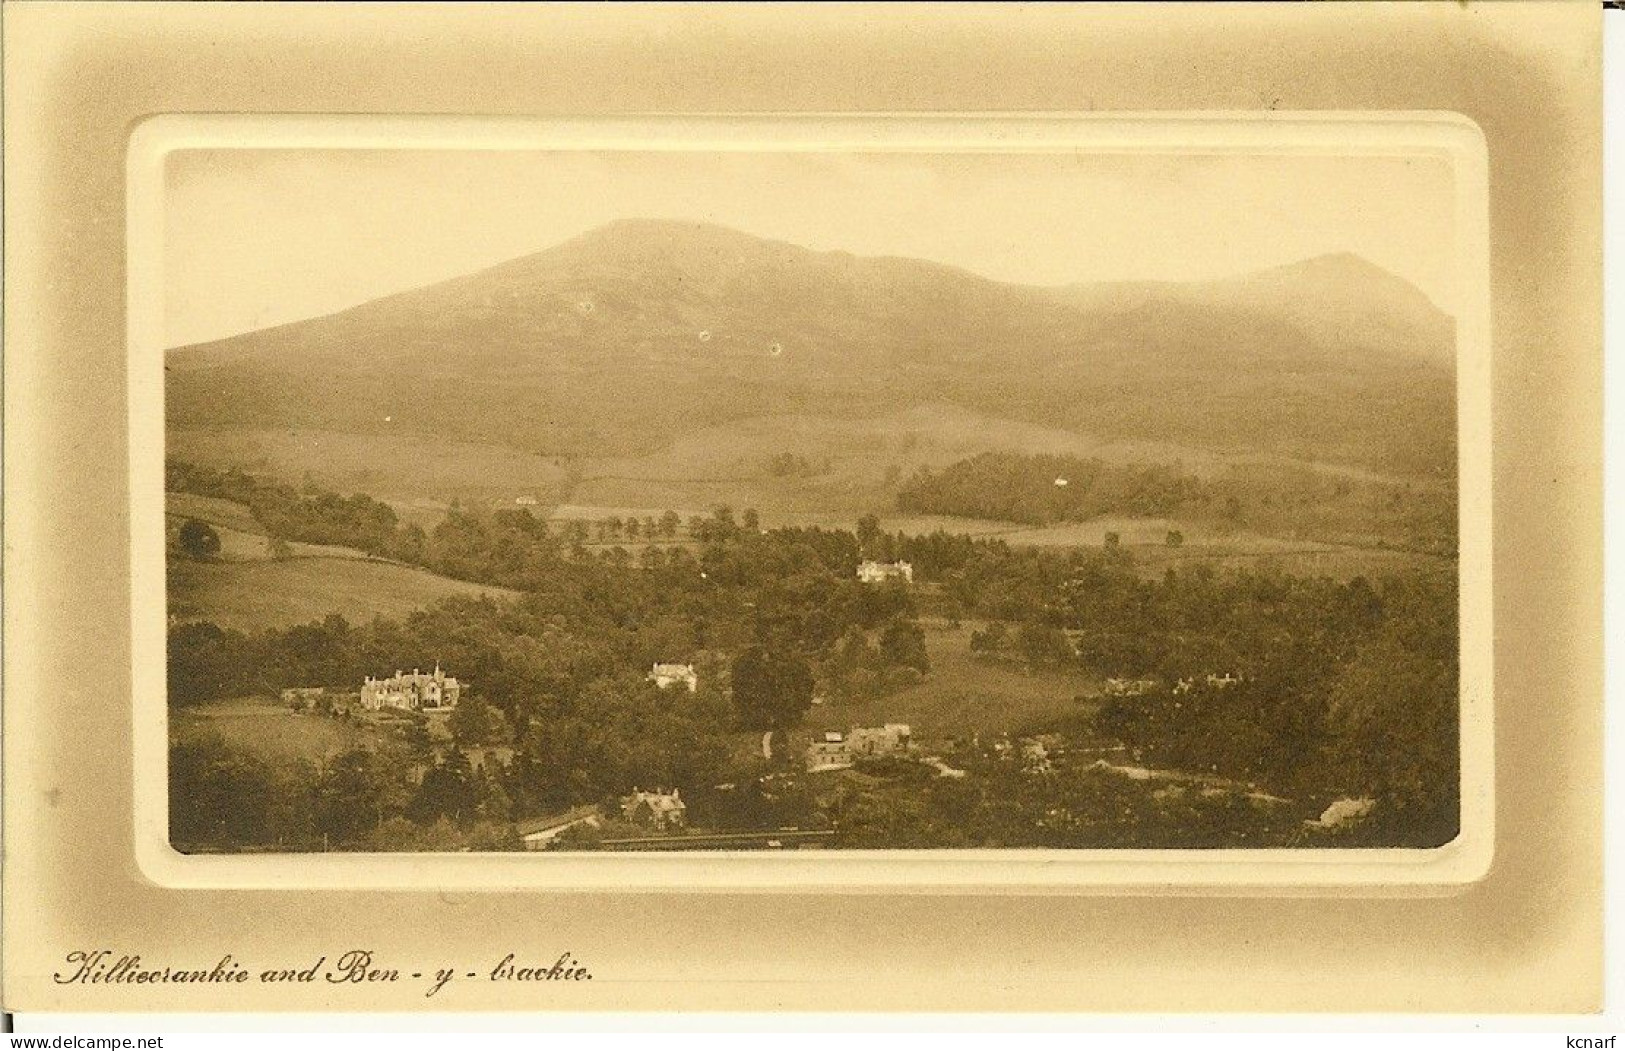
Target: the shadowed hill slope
(626, 338)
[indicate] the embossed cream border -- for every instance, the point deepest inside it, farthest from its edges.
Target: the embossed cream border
(79, 77)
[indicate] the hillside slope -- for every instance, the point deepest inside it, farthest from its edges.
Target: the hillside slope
(249, 596)
(629, 337)
(245, 588)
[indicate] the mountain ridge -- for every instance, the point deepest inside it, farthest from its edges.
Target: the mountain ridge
(632, 332)
(719, 232)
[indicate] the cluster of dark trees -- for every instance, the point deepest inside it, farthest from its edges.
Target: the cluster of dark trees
(1276, 499)
(1031, 643)
(1346, 690)
(396, 797)
(649, 528)
(1041, 489)
(794, 465)
(1001, 805)
(197, 539)
(309, 514)
(868, 664)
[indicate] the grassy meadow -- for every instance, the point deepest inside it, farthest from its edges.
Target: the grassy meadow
(248, 596)
(273, 730)
(245, 588)
(963, 694)
(845, 468)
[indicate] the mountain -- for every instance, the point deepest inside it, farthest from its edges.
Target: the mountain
(625, 338)
(1338, 303)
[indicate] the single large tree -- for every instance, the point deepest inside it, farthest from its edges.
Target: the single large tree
(198, 539)
(476, 722)
(772, 689)
(350, 796)
(868, 534)
(902, 643)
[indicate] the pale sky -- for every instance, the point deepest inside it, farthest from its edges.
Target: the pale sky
(260, 237)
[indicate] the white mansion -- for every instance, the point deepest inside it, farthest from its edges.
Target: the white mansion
(667, 675)
(879, 572)
(415, 692)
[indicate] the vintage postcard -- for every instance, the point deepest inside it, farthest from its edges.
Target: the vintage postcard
(736, 507)
(1061, 484)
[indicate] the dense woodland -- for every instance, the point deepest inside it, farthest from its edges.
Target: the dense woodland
(1346, 688)
(1275, 500)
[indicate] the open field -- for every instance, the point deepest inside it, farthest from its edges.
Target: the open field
(244, 588)
(272, 730)
(417, 474)
(222, 514)
(237, 545)
(848, 466)
(962, 695)
(249, 596)
(242, 537)
(1303, 560)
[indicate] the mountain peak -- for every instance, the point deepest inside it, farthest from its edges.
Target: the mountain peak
(643, 236)
(1330, 264)
(663, 229)
(1342, 273)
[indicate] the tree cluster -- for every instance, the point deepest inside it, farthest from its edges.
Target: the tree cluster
(1276, 499)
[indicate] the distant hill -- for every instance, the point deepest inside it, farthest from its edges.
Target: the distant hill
(630, 337)
(1327, 307)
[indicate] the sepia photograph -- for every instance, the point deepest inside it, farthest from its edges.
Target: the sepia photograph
(650, 501)
(844, 511)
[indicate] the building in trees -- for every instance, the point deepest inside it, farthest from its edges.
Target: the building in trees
(414, 693)
(668, 675)
(834, 750)
(828, 751)
(877, 741)
(661, 811)
(880, 572)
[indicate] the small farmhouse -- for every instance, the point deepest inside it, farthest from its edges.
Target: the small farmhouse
(828, 751)
(874, 741)
(668, 675)
(880, 572)
(1128, 687)
(414, 693)
(834, 750)
(659, 810)
(1036, 754)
